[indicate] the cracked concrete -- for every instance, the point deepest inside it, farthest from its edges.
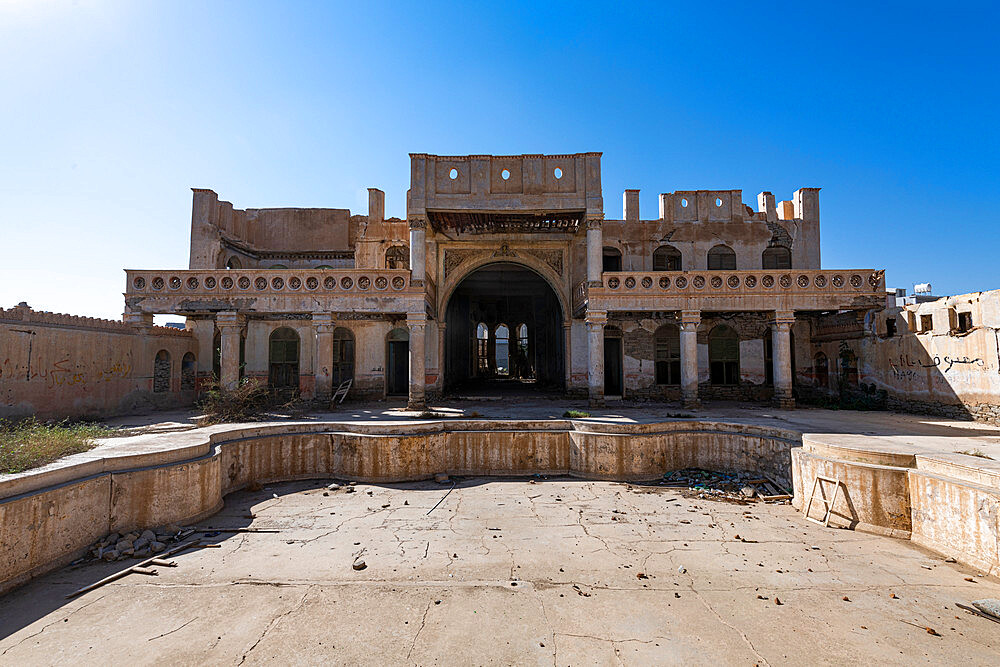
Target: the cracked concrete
(552, 572)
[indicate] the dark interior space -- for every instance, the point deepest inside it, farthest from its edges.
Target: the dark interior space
(504, 333)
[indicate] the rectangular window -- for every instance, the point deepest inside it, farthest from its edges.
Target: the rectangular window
(926, 323)
(965, 321)
(890, 327)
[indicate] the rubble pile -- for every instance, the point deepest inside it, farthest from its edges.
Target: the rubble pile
(137, 544)
(736, 487)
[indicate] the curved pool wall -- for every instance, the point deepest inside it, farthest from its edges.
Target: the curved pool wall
(51, 516)
(947, 502)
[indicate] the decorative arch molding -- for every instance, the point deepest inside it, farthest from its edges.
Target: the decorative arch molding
(456, 258)
(525, 259)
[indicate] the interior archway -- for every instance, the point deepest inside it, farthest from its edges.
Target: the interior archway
(517, 302)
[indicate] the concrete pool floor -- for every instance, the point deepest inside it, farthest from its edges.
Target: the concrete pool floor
(555, 571)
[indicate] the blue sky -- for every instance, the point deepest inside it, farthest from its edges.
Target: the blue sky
(111, 111)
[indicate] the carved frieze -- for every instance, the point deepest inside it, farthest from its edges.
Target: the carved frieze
(454, 258)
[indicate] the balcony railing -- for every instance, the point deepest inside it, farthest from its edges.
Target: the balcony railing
(679, 283)
(225, 282)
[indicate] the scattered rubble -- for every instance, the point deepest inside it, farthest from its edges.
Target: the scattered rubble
(738, 487)
(139, 544)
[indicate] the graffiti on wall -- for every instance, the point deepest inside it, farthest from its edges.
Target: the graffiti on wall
(63, 373)
(905, 363)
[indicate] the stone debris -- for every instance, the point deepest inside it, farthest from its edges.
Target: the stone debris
(738, 487)
(136, 544)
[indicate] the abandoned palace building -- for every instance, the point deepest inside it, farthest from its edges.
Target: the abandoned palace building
(506, 272)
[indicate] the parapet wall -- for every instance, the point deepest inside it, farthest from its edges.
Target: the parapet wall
(63, 366)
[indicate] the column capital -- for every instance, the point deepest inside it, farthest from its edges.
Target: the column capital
(229, 319)
(595, 223)
(138, 319)
(417, 223)
(783, 319)
(690, 317)
(596, 318)
(416, 320)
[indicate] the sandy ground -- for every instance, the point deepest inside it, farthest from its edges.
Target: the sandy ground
(555, 572)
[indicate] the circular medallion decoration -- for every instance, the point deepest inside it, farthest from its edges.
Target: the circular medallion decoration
(175, 282)
(820, 281)
(838, 281)
(210, 282)
(139, 282)
(613, 283)
(856, 280)
(277, 282)
(647, 282)
(329, 282)
(750, 281)
(243, 282)
(698, 282)
(664, 282)
(785, 281)
(767, 281)
(681, 282)
(364, 282)
(398, 282)
(803, 281)
(347, 282)
(192, 283)
(157, 283)
(873, 280)
(381, 282)
(227, 283)
(716, 282)
(295, 282)
(630, 282)
(312, 282)
(260, 283)
(733, 281)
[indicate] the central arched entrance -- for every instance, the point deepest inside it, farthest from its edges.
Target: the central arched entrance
(504, 332)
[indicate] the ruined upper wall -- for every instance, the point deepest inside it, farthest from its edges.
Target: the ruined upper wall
(218, 231)
(525, 183)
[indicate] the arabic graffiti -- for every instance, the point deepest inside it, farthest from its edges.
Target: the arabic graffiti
(63, 373)
(904, 360)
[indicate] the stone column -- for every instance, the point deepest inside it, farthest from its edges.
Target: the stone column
(418, 391)
(230, 326)
(595, 345)
(567, 352)
(690, 319)
(781, 354)
(418, 251)
(441, 326)
(595, 252)
(323, 323)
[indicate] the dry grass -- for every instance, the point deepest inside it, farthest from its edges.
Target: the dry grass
(250, 401)
(975, 452)
(29, 443)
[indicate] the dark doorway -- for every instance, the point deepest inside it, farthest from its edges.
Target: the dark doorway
(504, 332)
(283, 369)
(398, 369)
(612, 365)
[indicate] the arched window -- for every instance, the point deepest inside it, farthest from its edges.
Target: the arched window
(188, 371)
(503, 349)
(721, 258)
(522, 338)
(234, 263)
(667, 258)
(821, 370)
(482, 349)
(777, 257)
(724, 355)
(612, 259)
(520, 366)
(667, 353)
(397, 257)
(324, 266)
(161, 372)
(343, 356)
(283, 360)
(278, 266)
